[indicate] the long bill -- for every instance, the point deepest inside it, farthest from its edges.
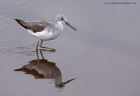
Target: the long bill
(70, 25)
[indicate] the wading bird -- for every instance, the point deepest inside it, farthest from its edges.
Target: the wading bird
(44, 30)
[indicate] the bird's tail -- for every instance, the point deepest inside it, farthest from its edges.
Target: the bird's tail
(22, 23)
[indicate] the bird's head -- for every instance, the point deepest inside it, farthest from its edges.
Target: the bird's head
(63, 19)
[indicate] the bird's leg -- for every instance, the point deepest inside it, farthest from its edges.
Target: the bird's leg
(40, 47)
(37, 51)
(41, 50)
(41, 54)
(45, 48)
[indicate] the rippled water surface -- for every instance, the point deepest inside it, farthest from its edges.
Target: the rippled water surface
(100, 59)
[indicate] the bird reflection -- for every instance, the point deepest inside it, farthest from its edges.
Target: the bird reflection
(42, 68)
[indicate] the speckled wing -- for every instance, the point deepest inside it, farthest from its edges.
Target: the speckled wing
(34, 26)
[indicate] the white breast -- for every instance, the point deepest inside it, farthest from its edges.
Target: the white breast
(45, 34)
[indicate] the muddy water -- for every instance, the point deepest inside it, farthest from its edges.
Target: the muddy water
(102, 57)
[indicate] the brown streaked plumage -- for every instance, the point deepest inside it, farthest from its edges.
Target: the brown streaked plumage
(34, 26)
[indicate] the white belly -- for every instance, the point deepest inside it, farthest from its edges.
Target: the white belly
(45, 35)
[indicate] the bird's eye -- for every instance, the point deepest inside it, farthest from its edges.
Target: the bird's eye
(62, 18)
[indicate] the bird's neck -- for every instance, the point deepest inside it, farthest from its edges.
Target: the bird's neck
(60, 25)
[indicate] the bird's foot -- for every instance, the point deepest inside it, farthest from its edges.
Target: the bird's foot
(51, 49)
(46, 49)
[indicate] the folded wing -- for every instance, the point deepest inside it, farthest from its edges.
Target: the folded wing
(34, 26)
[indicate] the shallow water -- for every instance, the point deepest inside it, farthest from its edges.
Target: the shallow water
(103, 55)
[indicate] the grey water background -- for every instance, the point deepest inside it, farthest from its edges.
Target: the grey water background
(103, 55)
